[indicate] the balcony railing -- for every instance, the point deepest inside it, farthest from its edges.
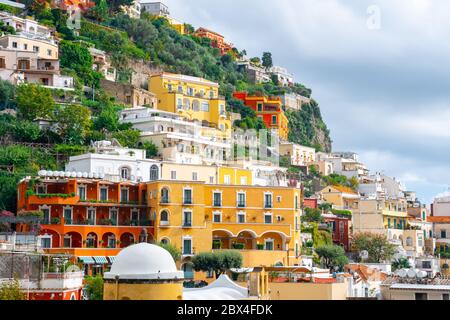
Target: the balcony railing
(187, 201)
(164, 201)
(187, 224)
(217, 204)
(268, 205)
(241, 204)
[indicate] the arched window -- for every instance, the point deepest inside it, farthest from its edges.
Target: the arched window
(125, 173)
(154, 173)
(165, 241)
(164, 216)
(164, 195)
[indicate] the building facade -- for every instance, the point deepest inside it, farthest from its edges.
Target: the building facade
(217, 40)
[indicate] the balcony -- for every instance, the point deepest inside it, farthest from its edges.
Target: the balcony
(241, 205)
(187, 224)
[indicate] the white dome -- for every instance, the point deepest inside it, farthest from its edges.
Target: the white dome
(144, 261)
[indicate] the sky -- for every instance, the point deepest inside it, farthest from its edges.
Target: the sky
(380, 71)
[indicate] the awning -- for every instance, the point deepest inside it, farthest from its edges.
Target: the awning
(101, 260)
(112, 259)
(87, 260)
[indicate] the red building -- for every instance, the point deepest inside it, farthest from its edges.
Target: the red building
(217, 40)
(91, 219)
(310, 203)
(340, 229)
(269, 110)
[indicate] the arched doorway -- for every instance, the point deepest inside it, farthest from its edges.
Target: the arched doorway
(73, 240)
(245, 240)
(222, 239)
(272, 241)
(126, 239)
(109, 240)
(92, 240)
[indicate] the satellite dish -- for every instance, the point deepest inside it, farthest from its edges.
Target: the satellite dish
(411, 273)
(364, 254)
(73, 174)
(95, 175)
(422, 274)
(79, 174)
(402, 273)
(49, 173)
(85, 174)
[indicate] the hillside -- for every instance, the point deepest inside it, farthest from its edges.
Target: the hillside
(89, 116)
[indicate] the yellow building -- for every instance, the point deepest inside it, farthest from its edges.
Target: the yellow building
(342, 198)
(191, 97)
(262, 222)
(143, 272)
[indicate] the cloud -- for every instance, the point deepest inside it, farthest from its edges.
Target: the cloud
(383, 92)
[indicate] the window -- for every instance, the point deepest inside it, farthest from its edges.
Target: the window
(332, 224)
(164, 217)
(124, 195)
(205, 106)
(241, 200)
(35, 48)
(103, 193)
(165, 241)
(113, 215)
(164, 195)
(227, 179)
(241, 217)
(217, 217)
(46, 213)
(187, 246)
(67, 241)
(211, 94)
(190, 91)
(179, 103)
(268, 200)
(217, 199)
(243, 181)
(260, 106)
(194, 176)
(445, 296)
(46, 242)
(421, 296)
(187, 219)
(2, 63)
(67, 214)
(134, 217)
(274, 119)
(154, 173)
(187, 196)
(111, 242)
(278, 199)
(296, 202)
(268, 244)
(267, 218)
(125, 173)
(82, 192)
(169, 87)
(41, 189)
(49, 52)
(173, 175)
(211, 179)
(443, 234)
(90, 216)
(14, 44)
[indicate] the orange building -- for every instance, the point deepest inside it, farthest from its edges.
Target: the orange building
(87, 217)
(217, 40)
(269, 110)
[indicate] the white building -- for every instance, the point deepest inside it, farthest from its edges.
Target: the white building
(178, 140)
(294, 101)
(116, 163)
(381, 185)
(441, 205)
(102, 64)
(155, 8)
(347, 164)
(298, 155)
(133, 10)
(285, 78)
(26, 26)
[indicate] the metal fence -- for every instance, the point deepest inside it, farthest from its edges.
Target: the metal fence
(20, 265)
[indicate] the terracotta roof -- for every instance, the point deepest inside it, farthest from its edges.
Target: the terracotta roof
(344, 189)
(439, 219)
(367, 273)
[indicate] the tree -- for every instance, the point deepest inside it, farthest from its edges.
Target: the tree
(218, 262)
(74, 123)
(376, 245)
(7, 92)
(94, 287)
(312, 215)
(115, 5)
(332, 256)
(11, 291)
(174, 251)
(100, 11)
(267, 60)
(401, 263)
(127, 138)
(150, 148)
(34, 101)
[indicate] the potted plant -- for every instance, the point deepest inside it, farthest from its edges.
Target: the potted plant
(56, 220)
(260, 246)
